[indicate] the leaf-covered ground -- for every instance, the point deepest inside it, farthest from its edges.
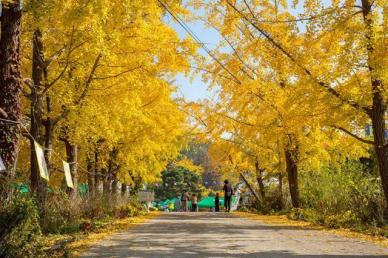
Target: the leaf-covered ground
(283, 220)
(71, 245)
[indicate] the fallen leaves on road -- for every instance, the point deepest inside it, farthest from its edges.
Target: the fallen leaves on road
(283, 220)
(84, 241)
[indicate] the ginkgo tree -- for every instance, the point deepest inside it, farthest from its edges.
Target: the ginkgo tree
(293, 80)
(97, 90)
(345, 60)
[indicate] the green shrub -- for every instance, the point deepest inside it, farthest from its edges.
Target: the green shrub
(20, 233)
(97, 207)
(153, 208)
(61, 215)
(306, 215)
(342, 197)
(125, 211)
(101, 206)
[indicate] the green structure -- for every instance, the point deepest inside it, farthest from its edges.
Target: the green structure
(205, 203)
(208, 203)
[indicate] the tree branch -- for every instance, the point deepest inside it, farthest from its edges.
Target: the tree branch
(89, 80)
(277, 45)
(117, 75)
(66, 112)
(353, 135)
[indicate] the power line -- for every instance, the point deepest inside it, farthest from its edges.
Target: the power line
(183, 24)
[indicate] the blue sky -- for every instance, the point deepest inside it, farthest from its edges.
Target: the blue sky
(194, 89)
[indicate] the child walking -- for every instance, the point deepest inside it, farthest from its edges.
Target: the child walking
(217, 202)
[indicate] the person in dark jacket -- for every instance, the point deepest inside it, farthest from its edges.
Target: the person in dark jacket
(217, 202)
(194, 203)
(228, 192)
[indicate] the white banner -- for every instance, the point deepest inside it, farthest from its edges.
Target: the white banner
(66, 168)
(237, 200)
(41, 161)
(2, 166)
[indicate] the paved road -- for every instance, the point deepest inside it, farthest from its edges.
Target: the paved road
(225, 235)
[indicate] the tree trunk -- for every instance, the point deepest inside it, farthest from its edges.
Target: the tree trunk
(377, 114)
(96, 173)
(90, 176)
(10, 91)
(72, 158)
(106, 183)
(49, 128)
(259, 178)
(124, 189)
(255, 194)
(115, 185)
(378, 124)
(291, 154)
(38, 184)
(281, 206)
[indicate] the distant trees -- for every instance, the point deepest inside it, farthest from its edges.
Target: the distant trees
(175, 180)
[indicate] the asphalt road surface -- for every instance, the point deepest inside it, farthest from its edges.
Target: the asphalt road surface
(225, 235)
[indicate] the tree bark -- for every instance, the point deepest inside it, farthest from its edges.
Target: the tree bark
(115, 185)
(255, 194)
(38, 184)
(377, 113)
(259, 178)
(106, 183)
(281, 191)
(72, 159)
(124, 189)
(10, 92)
(90, 176)
(291, 155)
(48, 124)
(96, 173)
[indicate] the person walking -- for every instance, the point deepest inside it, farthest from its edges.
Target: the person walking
(177, 204)
(228, 192)
(185, 200)
(217, 202)
(194, 202)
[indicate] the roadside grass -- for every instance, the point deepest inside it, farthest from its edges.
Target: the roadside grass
(74, 244)
(284, 220)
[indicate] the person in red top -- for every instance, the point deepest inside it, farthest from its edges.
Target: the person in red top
(228, 192)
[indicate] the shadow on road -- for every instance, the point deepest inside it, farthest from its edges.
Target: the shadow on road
(212, 235)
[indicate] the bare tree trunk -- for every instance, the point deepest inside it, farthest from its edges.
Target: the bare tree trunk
(10, 91)
(106, 183)
(38, 184)
(115, 186)
(259, 178)
(42, 190)
(48, 123)
(96, 173)
(90, 176)
(291, 154)
(72, 158)
(281, 205)
(255, 194)
(377, 114)
(124, 189)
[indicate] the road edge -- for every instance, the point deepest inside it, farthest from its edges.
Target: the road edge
(79, 246)
(283, 220)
